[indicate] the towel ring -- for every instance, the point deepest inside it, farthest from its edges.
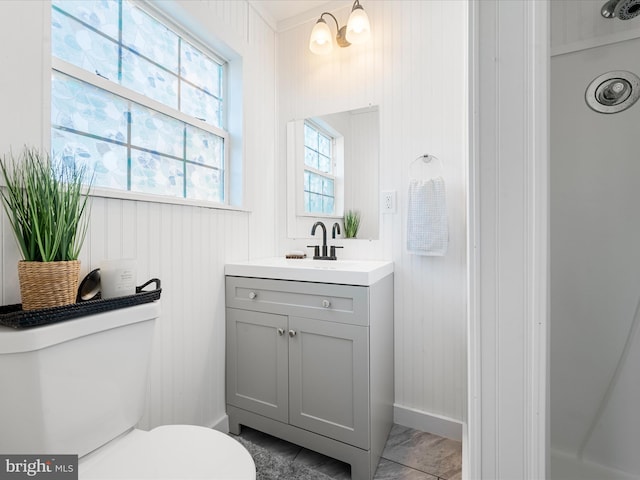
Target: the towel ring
(426, 159)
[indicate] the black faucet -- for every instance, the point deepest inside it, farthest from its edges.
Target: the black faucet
(316, 248)
(324, 241)
(336, 228)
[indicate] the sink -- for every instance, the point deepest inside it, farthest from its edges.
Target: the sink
(346, 272)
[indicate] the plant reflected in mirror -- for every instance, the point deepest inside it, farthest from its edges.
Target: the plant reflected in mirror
(351, 223)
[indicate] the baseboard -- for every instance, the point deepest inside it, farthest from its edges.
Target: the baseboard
(407, 417)
(465, 452)
(568, 467)
(222, 425)
(427, 422)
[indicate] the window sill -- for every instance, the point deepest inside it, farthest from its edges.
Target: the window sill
(320, 215)
(145, 197)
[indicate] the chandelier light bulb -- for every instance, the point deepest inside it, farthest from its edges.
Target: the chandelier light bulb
(358, 26)
(321, 42)
(357, 30)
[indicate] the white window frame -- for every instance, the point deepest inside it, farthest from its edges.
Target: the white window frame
(330, 175)
(92, 79)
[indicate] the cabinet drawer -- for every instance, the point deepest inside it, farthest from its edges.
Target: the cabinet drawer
(336, 303)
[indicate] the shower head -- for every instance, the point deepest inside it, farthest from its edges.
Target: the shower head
(622, 9)
(627, 9)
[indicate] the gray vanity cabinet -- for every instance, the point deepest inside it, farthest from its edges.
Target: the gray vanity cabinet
(300, 365)
(329, 379)
(257, 363)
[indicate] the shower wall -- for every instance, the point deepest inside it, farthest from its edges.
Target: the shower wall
(595, 254)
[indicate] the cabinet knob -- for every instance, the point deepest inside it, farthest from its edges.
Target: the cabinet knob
(252, 295)
(326, 303)
(292, 333)
(281, 331)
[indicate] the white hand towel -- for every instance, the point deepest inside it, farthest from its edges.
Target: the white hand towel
(427, 219)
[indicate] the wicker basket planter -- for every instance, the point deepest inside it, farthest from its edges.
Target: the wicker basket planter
(46, 201)
(48, 284)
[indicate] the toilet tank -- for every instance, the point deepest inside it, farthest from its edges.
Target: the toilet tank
(73, 386)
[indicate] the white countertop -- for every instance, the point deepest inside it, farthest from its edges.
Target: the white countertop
(345, 272)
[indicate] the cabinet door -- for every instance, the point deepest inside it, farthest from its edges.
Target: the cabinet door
(329, 379)
(257, 362)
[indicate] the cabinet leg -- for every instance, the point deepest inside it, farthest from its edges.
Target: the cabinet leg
(234, 425)
(361, 469)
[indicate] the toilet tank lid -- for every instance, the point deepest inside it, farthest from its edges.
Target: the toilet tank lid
(37, 338)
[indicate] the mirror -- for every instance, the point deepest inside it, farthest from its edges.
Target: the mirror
(333, 167)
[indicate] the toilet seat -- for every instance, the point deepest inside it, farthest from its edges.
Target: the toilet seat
(170, 452)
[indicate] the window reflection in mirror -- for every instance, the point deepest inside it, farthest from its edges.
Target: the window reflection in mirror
(332, 167)
(320, 168)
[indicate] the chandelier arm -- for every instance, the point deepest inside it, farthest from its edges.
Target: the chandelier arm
(334, 19)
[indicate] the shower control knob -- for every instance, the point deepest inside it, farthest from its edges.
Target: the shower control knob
(252, 295)
(614, 91)
(618, 87)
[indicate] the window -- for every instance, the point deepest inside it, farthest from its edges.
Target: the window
(319, 171)
(141, 105)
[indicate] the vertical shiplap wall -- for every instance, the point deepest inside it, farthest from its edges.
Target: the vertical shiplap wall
(186, 247)
(415, 69)
(508, 224)
(578, 24)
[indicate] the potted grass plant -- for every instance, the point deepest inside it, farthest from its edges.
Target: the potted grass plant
(351, 223)
(46, 202)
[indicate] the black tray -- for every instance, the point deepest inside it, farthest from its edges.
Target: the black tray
(13, 315)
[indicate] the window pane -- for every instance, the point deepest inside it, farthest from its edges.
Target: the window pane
(315, 184)
(153, 173)
(107, 161)
(315, 203)
(307, 206)
(324, 145)
(200, 69)
(88, 109)
(310, 158)
(327, 186)
(310, 137)
(204, 147)
(324, 164)
(307, 181)
(149, 38)
(204, 183)
(100, 14)
(318, 193)
(197, 103)
(327, 205)
(156, 131)
(76, 44)
(146, 78)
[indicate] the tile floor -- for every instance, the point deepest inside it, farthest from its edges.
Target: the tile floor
(408, 455)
